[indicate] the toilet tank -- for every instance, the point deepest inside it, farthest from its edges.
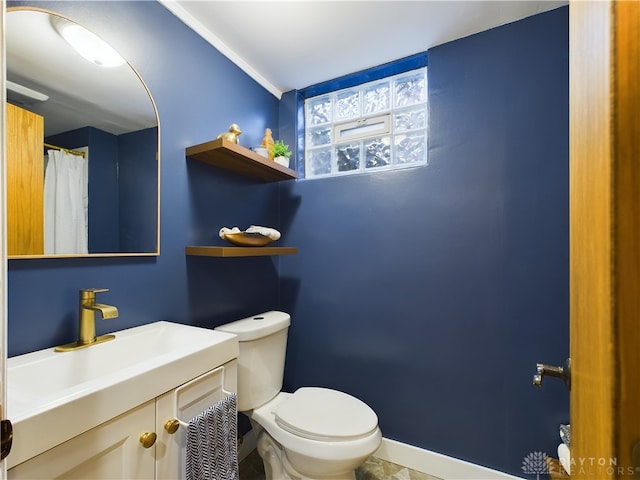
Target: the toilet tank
(263, 342)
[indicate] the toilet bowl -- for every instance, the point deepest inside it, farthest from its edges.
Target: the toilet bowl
(313, 433)
(324, 433)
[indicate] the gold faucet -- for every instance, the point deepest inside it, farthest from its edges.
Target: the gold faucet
(86, 312)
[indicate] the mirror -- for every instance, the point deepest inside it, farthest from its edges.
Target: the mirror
(108, 110)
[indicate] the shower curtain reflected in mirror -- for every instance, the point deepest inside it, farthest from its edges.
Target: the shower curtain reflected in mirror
(65, 203)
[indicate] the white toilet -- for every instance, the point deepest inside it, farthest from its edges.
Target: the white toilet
(314, 433)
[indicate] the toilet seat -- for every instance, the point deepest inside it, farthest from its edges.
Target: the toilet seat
(323, 414)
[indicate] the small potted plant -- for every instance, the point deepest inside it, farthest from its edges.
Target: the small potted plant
(281, 153)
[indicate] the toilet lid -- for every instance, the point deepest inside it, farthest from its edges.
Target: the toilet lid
(323, 414)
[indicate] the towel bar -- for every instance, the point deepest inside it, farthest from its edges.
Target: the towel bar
(172, 425)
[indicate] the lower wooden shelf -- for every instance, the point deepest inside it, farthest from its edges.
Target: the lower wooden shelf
(215, 251)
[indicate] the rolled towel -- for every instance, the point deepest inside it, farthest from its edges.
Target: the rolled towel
(565, 434)
(224, 231)
(564, 455)
(272, 233)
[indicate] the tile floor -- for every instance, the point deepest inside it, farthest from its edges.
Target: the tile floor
(377, 469)
(251, 468)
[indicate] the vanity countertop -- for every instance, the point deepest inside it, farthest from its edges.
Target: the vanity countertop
(53, 396)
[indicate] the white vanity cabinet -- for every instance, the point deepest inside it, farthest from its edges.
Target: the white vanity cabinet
(114, 449)
(109, 451)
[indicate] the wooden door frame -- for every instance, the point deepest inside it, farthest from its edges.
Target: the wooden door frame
(3, 231)
(604, 78)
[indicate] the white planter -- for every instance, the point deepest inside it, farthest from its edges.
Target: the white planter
(284, 161)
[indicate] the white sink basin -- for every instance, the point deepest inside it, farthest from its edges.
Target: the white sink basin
(53, 396)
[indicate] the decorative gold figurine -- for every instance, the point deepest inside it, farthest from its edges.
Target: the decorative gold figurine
(232, 134)
(267, 142)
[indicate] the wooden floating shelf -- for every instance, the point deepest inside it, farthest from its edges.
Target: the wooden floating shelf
(214, 251)
(236, 158)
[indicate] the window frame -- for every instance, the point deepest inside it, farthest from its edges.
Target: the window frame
(386, 118)
(360, 125)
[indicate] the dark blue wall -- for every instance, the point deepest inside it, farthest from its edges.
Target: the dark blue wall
(104, 202)
(198, 93)
(428, 292)
(432, 292)
(136, 158)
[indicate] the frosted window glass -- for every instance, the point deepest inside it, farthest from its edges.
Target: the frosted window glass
(347, 105)
(320, 162)
(348, 157)
(410, 90)
(411, 148)
(377, 98)
(378, 152)
(410, 119)
(378, 125)
(319, 111)
(319, 136)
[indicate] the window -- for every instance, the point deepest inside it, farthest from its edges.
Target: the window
(379, 125)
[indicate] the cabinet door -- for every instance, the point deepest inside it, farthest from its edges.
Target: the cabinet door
(25, 182)
(110, 451)
(184, 403)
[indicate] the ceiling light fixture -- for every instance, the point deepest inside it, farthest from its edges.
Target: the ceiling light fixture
(90, 46)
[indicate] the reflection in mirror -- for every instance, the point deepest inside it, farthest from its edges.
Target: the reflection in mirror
(76, 126)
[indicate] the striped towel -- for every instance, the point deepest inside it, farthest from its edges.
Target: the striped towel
(211, 443)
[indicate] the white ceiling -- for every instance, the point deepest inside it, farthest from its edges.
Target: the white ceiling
(286, 45)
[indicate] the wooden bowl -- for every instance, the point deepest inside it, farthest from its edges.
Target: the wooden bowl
(244, 239)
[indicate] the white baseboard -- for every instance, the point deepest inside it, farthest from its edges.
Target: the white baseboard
(415, 458)
(436, 464)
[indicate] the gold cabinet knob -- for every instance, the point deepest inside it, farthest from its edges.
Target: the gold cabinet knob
(172, 426)
(147, 439)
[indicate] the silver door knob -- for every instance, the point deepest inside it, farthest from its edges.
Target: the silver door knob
(563, 373)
